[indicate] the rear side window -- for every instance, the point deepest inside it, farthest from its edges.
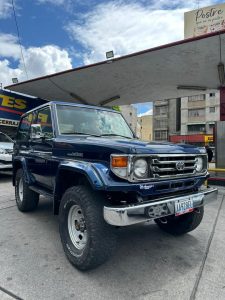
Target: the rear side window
(24, 128)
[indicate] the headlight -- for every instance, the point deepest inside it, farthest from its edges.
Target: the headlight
(140, 168)
(199, 164)
(2, 151)
(119, 165)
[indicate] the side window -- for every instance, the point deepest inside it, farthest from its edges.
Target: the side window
(45, 120)
(24, 128)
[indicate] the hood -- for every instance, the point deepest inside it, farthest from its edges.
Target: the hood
(100, 148)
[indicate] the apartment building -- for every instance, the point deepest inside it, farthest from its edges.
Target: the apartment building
(130, 114)
(146, 132)
(166, 118)
(190, 119)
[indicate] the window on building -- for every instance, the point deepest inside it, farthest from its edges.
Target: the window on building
(196, 112)
(161, 110)
(212, 109)
(161, 135)
(196, 98)
(161, 123)
(212, 94)
(196, 128)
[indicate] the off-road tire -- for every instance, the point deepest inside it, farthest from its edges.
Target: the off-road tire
(29, 199)
(181, 224)
(101, 237)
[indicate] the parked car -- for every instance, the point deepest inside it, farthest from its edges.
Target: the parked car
(100, 177)
(6, 150)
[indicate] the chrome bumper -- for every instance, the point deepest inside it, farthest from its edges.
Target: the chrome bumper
(136, 213)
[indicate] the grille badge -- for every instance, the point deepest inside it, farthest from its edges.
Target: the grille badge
(180, 165)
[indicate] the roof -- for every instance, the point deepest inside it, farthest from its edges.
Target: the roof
(179, 69)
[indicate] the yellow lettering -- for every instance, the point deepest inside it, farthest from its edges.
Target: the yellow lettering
(20, 104)
(42, 118)
(7, 101)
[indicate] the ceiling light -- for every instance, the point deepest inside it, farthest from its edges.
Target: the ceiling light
(191, 87)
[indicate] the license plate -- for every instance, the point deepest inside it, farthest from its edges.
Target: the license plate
(183, 207)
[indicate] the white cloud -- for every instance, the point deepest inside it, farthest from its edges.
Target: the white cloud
(147, 113)
(7, 73)
(5, 8)
(130, 27)
(46, 60)
(39, 61)
(9, 46)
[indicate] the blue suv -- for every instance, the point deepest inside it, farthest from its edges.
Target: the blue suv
(101, 177)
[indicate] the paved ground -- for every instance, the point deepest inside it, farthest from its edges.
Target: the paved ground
(148, 264)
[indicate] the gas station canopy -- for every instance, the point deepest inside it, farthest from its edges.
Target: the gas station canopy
(179, 69)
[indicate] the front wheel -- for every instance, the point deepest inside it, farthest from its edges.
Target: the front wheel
(26, 199)
(181, 224)
(88, 241)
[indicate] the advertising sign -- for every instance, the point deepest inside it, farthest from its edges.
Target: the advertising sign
(204, 20)
(13, 105)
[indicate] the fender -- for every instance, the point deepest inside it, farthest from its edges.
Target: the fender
(87, 169)
(77, 167)
(23, 163)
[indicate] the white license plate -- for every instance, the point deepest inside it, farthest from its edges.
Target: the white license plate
(183, 207)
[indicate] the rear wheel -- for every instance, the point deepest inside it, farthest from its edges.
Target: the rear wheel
(88, 241)
(181, 224)
(26, 199)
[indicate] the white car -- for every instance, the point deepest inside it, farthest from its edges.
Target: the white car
(6, 150)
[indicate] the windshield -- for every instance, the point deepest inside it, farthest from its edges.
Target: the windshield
(4, 138)
(90, 121)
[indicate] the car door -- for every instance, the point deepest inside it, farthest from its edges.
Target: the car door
(41, 164)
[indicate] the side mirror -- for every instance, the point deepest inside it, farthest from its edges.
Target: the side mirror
(36, 132)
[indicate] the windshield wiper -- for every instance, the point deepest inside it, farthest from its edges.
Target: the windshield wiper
(114, 134)
(80, 133)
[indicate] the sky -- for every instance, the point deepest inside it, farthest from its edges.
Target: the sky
(56, 35)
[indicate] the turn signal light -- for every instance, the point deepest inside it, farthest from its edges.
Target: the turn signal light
(119, 161)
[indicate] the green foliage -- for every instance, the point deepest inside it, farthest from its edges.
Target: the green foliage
(116, 107)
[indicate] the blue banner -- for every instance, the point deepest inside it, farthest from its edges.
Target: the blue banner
(13, 105)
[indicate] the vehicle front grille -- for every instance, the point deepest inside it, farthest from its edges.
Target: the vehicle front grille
(167, 166)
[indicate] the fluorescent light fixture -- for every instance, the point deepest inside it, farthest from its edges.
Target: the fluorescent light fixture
(191, 87)
(15, 80)
(220, 68)
(106, 101)
(109, 54)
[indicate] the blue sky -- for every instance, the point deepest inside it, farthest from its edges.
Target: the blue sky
(61, 34)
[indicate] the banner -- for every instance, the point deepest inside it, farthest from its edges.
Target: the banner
(13, 106)
(204, 20)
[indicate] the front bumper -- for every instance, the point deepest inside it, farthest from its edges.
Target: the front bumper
(136, 213)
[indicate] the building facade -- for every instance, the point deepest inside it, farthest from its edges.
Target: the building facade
(146, 132)
(130, 114)
(166, 118)
(189, 119)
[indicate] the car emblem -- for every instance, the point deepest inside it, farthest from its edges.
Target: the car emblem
(180, 166)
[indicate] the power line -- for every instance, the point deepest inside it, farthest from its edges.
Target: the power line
(18, 34)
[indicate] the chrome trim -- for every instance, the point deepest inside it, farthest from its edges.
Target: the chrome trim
(135, 213)
(154, 157)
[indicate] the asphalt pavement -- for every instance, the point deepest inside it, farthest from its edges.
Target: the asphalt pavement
(148, 263)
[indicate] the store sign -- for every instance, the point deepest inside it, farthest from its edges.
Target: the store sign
(12, 106)
(204, 20)
(208, 138)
